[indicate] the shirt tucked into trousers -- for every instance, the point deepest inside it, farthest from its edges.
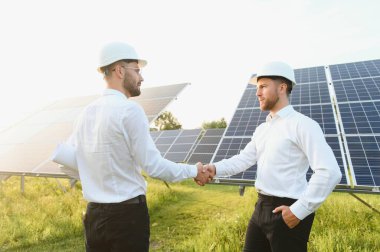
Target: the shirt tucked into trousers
(113, 145)
(284, 147)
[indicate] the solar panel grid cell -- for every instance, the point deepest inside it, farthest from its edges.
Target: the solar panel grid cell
(206, 147)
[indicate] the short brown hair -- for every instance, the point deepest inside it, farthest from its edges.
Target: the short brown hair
(289, 84)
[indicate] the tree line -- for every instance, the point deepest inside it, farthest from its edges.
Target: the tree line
(167, 121)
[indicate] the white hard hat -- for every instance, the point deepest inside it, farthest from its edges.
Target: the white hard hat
(116, 51)
(276, 68)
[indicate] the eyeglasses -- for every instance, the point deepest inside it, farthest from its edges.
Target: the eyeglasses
(137, 70)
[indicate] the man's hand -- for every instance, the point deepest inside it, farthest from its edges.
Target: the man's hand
(203, 175)
(289, 218)
(211, 169)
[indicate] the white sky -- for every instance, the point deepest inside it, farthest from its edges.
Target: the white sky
(49, 49)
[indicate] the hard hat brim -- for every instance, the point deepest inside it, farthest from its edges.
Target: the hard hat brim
(141, 62)
(253, 80)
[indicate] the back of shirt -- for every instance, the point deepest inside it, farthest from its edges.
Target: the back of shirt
(113, 145)
(106, 167)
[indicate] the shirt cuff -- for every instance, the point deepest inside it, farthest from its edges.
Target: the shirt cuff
(299, 210)
(218, 169)
(193, 171)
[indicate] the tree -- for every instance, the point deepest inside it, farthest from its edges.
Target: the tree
(166, 121)
(215, 124)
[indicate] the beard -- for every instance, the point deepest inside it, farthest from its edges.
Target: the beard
(133, 90)
(269, 103)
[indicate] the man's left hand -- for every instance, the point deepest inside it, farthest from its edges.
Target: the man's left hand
(289, 218)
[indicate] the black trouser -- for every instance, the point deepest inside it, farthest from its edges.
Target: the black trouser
(120, 226)
(268, 232)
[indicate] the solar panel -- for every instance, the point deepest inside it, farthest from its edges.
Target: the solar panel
(310, 93)
(357, 89)
(161, 92)
(175, 145)
(26, 147)
(32, 153)
(155, 134)
(354, 70)
(206, 147)
(245, 121)
(364, 152)
(248, 100)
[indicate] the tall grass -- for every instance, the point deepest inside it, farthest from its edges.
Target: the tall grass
(185, 217)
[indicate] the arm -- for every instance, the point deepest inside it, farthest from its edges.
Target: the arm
(144, 152)
(322, 161)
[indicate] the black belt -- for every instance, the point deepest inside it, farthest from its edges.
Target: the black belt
(136, 200)
(275, 199)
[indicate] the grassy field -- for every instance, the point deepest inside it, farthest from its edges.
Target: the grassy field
(185, 217)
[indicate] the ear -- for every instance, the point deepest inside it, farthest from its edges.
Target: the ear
(283, 87)
(119, 71)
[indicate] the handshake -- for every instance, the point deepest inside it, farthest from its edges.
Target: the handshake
(205, 173)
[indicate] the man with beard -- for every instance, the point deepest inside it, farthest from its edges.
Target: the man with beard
(283, 147)
(113, 144)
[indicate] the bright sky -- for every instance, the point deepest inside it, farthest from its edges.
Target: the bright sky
(49, 49)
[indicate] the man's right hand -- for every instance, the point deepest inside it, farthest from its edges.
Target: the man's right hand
(211, 169)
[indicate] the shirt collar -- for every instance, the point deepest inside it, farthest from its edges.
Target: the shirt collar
(285, 111)
(110, 91)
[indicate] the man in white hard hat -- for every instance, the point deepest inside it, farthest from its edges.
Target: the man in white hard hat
(113, 145)
(283, 147)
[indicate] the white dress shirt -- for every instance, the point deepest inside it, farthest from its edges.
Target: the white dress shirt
(284, 147)
(113, 144)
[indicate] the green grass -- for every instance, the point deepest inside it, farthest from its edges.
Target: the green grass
(184, 218)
